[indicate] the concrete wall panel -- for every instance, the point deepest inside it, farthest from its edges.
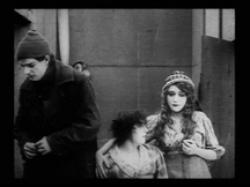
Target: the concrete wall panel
(129, 37)
(116, 90)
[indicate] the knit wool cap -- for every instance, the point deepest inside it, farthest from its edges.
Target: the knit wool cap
(33, 45)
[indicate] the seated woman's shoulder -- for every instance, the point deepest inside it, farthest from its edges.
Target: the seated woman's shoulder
(152, 148)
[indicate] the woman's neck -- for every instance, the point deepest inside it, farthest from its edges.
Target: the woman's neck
(128, 146)
(176, 115)
(177, 121)
(129, 152)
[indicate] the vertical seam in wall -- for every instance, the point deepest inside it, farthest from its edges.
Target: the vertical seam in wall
(137, 47)
(137, 69)
(204, 22)
(220, 23)
(138, 87)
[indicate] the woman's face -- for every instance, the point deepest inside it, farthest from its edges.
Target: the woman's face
(139, 134)
(34, 69)
(176, 98)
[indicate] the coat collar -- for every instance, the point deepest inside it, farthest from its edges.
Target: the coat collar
(63, 72)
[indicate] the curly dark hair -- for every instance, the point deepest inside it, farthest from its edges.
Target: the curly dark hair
(189, 108)
(123, 125)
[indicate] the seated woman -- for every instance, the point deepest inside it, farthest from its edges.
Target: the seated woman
(129, 157)
(184, 134)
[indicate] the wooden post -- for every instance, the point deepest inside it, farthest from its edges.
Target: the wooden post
(63, 31)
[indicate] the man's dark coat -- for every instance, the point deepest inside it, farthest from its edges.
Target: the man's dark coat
(61, 107)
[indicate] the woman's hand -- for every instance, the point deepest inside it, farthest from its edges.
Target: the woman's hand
(189, 147)
(102, 158)
(101, 163)
(171, 138)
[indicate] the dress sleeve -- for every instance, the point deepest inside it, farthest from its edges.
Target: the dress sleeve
(103, 171)
(161, 165)
(151, 124)
(211, 141)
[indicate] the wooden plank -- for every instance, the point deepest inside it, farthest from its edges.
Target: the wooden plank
(217, 98)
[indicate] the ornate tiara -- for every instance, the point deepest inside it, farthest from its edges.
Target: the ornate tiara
(177, 76)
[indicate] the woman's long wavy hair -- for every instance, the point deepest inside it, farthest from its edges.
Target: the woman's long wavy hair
(165, 114)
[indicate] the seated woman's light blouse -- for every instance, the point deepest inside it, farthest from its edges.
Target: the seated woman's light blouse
(151, 164)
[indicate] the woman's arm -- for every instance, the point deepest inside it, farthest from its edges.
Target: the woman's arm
(207, 154)
(101, 159)
(211, 142)
(100, 155)
(189, 147)
(106, 147)
(161, 167)
(151, 124)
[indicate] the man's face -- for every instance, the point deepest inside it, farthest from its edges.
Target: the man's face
(34, 69)
(78, 67)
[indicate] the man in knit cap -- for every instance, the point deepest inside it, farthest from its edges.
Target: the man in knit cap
(58, 119)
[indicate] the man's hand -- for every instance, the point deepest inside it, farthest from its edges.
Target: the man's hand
(43, 146)
(29, 150)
